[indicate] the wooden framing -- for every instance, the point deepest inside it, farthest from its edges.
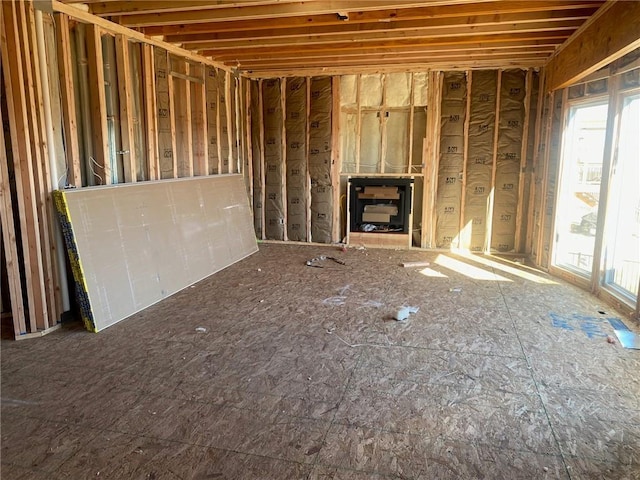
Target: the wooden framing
(263, 220)
(100, 165)
(432, 161)
(465, 158)
(42, 167)
(12, 68)
(535, 166)
(150, 113)
(9, 238)
(199, 127)
(336, 164)
(588, 49)
(283, 169)
(126, 118)
(69, 119)
(494, 168)
(249, 160)
(229, 118)
(307, 122)
(523, 176)
(182, 135)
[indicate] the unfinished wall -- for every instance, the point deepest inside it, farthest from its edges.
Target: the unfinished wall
(451, 161)
(479, 160)
(296, 158)
(97, 105)
(291, 145)
(508, 158)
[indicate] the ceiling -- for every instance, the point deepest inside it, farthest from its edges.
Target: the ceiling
(285, 37)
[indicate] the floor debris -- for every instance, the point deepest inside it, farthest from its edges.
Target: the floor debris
(402, 315)
(416, 264)
(314, 262)
(201, 330)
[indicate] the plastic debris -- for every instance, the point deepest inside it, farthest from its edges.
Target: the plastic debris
(455, 289)
(201, 330)
(402, 315)
(314, 262)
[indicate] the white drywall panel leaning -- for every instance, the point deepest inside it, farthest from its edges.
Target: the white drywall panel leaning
(132, 245)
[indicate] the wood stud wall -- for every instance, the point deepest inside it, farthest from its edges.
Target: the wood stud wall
(148, 117)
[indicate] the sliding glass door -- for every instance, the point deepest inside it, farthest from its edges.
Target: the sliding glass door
(579, 187)
(622, 233)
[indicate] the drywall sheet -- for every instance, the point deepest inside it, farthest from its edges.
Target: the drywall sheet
(449, 193)
(510, 128)
(397, 144)
(320, 159)
(273, 155)
(479, 159)
(258, 160)
(133, 245)
(224, 126)
(296, 131)
(211, 86)
(163, 104)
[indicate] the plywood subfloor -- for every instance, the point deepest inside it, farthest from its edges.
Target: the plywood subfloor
(505, 378)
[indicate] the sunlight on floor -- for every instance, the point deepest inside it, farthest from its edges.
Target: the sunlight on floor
(429, 272)
(468, 270)
(507, 269)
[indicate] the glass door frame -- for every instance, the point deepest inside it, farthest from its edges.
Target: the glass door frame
(582, 278)
(617, 99)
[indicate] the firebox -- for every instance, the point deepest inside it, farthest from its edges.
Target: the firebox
(380, 211)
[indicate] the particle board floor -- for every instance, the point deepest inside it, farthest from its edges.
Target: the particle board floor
(303, 374)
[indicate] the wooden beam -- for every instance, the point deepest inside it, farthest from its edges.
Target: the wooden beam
(494, 169)
(307, 193)
(100, 166)
(503, 22)
(390, 35)
(611, 33)
(535, 165)
(343, 45)
(229, 118)
(42, 168)
(430, 173)
(23, 164)
(181, 118)
(283, 161)
(69, 118)
(465, 159)
(467, 10)
(263, 182)
(126, 118)
(151, 113)
(172, 120)
(273, 10)
(199, 128)
(524, 175)
(114, 28)
(9, 239)
(336, 163)
(119, 7)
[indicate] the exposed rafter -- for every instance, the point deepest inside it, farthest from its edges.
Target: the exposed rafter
(317, 35)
